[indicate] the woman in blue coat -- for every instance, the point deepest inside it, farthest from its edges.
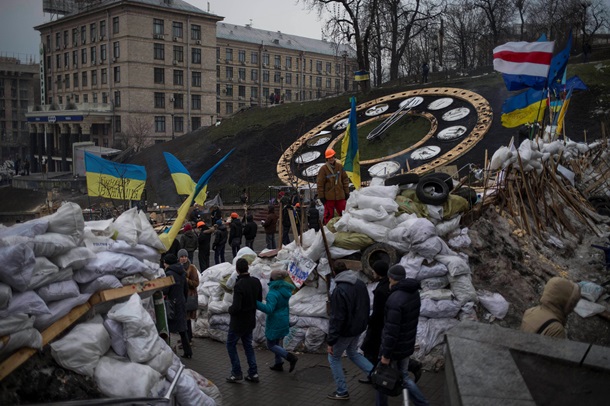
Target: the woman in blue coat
(278, 318)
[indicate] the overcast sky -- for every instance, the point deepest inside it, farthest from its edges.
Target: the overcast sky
(18, 17)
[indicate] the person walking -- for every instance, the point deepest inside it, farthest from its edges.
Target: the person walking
(278, 319)
(349, 313)
(188, 241)
(192, 282)
(372, 340)
(246, 292)
(425, 69)
(235, 233)
(220, 240)
(203, 245)
(26, 166)
(333, 186)
(250, 230)
(558, 300)
(176, 294)
(270, 226)
(400, 330)
(286, 225)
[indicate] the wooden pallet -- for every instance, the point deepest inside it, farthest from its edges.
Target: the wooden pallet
(104, 296)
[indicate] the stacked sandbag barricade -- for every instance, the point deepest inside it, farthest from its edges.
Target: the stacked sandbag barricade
(53, 264)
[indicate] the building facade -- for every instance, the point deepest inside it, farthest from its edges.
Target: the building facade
(19, 88)
(256, 67)
(123, 73)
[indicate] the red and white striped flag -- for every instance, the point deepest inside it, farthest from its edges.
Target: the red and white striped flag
(524, 58)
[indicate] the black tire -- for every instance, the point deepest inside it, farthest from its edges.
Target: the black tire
(467, 193)
(377, 252)
(402, 179)
(440, 191)
(442, 176)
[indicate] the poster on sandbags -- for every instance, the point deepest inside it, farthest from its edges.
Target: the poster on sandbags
(299, 269)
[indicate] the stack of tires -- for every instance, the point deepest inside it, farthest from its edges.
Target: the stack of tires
(433, 188)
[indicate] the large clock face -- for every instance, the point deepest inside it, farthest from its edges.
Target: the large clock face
(458, 120)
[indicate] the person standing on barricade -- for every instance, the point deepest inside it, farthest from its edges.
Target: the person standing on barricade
(333, 186)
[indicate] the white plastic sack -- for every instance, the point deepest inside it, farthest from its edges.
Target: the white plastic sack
(17, 266)
(246, 253)
(139, 251)
(462, 288)
(430, 333)
(439, 309)
(110, 263)
(380, 191)
(147, 234)
(52, 244)
(455, 265)
(29, 337)
(68, 220)
(75, 258)
(28, 229)
(459, 239)
(187, 392)
(434, 283)
(317, 250)
(58, 310)
(80, 350)
(126, 226)
(58, 291)
(101, 283)
(120, 379)
(15, 322)
(206, 386)
(25, 302)
(494, 303)
(590, 291)
(348, 223)
(45, 278)
(448, 226)
(585, 308)
(437, 294)
(6, 293)
(117, 341)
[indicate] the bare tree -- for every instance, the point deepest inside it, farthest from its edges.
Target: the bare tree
(463, 22)
(136, 136)
(498, 14)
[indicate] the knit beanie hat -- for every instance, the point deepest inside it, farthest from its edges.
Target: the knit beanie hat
(381, 268)
(397, 273)
(187, 227)
(170, 259)
(182, 253)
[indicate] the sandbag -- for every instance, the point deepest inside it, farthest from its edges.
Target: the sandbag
(6, 293)
(186, 391)
(75, 258)
(439, 309)
(126, 226)
(462, 288)
(17, 266)
(48, 275)
(352, 241)
(101, 283)
(68, 220)
(110, 263)
(206, 386)
(590, 291)
(15, 322)
(138, 251)
(52, 244)
(147, 234)
(28, 337)
(58, 310)
(28, 229)
(117, 341)
(494, 303)
(455, 264)
(25, 302)
(121, 379)
(58, 291)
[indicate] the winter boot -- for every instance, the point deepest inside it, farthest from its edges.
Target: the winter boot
(292, 359)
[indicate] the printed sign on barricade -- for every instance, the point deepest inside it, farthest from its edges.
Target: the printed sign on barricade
(299, 269)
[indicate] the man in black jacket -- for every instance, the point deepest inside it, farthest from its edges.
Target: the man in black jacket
(220, 240)
(236, 231)
(246, 292)
(372, 340)
(250, 229)
(203, 240)
(349, 313)
(400, 330)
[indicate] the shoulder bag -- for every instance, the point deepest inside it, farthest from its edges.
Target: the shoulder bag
(387, 380)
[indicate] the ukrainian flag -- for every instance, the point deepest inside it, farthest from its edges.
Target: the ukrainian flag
(182, 178)
(526, 107)
(114, 180)
(350, 155)
(201, 187)
(361, 75)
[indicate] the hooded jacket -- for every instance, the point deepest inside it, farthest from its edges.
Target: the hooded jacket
(236, 230)
(558, 300)
(349, 307)
(276, 308)
(401, 318)
(220, 237)
(177, 293)
(250, 229)
(189, 241)
(246, 292)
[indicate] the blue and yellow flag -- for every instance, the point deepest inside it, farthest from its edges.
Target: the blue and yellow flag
(114, 180)
(526, 107)
(201, 187)
(350, 155)
(182, 178)
(361, 76)
(562, 113)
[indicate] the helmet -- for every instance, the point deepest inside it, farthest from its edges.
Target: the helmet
(200, 224)
(234, 215)
(329, 153)
(297, 205)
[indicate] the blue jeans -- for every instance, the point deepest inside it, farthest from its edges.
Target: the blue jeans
(270, 240)
(349, 345)
(246, 340)
(219, 255)
(278, 350)
(415, 394)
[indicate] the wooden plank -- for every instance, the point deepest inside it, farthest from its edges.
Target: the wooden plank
(352, 264)
(128, 290)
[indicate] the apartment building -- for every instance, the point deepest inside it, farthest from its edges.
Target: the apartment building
(256, 67)
(122, 73)
(18, 90)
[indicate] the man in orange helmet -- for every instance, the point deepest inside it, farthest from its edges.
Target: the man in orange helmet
(333, 186)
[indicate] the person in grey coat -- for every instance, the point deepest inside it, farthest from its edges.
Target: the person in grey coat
(177, 294)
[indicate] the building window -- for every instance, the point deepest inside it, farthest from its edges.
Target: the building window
(338, 68)
(254, 92)
(177, 29)
(217, 89)
(254, 75)
(241, 91)
(117, 124)
(159, 124)
(328, 83)
(159, 100)
(319, 66)
(277, 77)
(102, 28)
(196, 102)
(117, 98)
(159, 51)
(104, 75)
(196, 81)
(318, 82)
(159, 75)
(117, 74)
(115, 25)
(85, 98)
(93, 32)
(84, 79)
(178, 124)
(94, 95)
(241, 56)
(93, 55)
(229, 107)
(66, 59)
(229, 72)
(65, 38)
(328, 67)
(178, 77)
(278, 62)
(116, 49)
(83, 56)
(196, 123)
(196, 55)
(57, 41)
(104, 98)
(337, 84)
(288, 96)
(178, 53)
(58, 61)
(83, 34)
(67, 81)
(218, 71)
(178, 101)
(76, 100)
(229, 90)
(265, 59)
(48, 43)
(254, 57)
(103, 52)
(229, 54)
(195, 31)
(289, 62)
(265, 76)
(93, 78)
(241, 74)
(288, 78)
(74, 37)
(75, 79)
(266, 93)
(158, 27)
(75, 58)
